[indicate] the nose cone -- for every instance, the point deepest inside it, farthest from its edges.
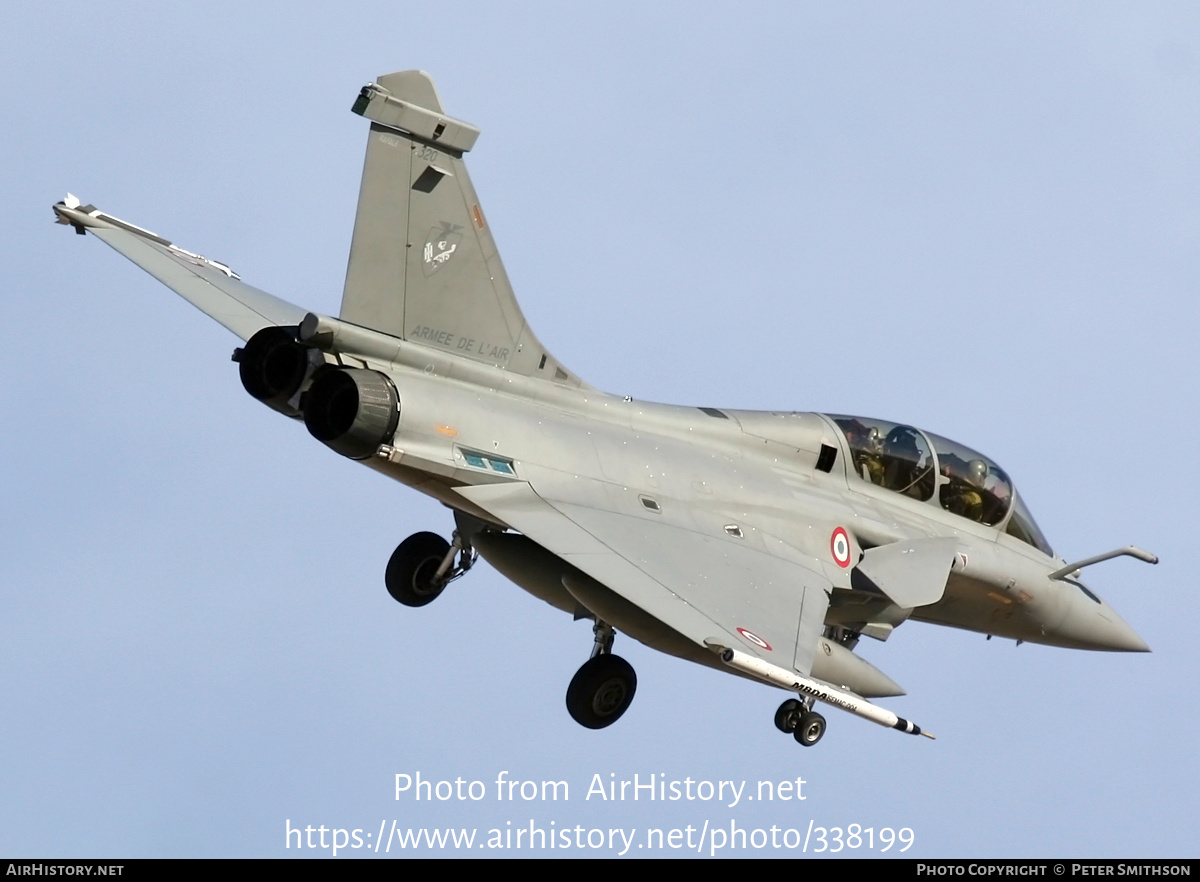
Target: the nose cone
(1091, 623)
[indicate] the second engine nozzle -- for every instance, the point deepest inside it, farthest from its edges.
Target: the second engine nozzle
(272, 366)
(352, 410)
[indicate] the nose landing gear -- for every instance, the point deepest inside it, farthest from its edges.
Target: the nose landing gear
(797, 718)
(603, 687)
(423, 564)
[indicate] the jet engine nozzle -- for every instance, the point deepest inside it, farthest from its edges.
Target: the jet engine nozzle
(352, 410)
(272, 366)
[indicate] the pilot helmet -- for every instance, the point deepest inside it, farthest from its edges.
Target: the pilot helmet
(874, 442)
(902, 441)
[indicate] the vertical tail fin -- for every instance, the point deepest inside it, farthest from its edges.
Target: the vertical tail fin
(423, 265)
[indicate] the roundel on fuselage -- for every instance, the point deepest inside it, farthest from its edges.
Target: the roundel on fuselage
(839, 547)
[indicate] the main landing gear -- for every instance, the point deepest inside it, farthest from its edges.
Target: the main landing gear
(424, 563)
(796, 716)
(603, 687)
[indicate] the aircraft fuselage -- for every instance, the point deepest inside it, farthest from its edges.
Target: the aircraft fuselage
(756, 471)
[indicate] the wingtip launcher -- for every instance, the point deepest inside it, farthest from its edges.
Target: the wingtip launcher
(82, 217)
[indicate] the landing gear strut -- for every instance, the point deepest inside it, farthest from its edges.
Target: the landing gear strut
(797, 718)
(603, 687)
(423, 564)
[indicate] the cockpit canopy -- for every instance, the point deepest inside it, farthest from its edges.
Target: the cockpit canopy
(923, 466)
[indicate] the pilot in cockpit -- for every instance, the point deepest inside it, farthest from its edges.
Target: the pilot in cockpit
(963, 494)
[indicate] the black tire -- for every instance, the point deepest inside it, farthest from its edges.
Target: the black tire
(410, 572)
(787, 718)
(810, 730)
(601, 691)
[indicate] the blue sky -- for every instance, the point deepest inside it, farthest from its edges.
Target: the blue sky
(980, 219)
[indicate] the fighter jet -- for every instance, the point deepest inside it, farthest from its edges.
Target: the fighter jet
(765, 544)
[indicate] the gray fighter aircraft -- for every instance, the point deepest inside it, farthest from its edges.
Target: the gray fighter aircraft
(764, 544)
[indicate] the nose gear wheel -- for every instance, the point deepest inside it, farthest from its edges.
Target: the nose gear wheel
(795, 717)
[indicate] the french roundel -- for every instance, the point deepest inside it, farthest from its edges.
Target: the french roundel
(755, 639)
(839, 545)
